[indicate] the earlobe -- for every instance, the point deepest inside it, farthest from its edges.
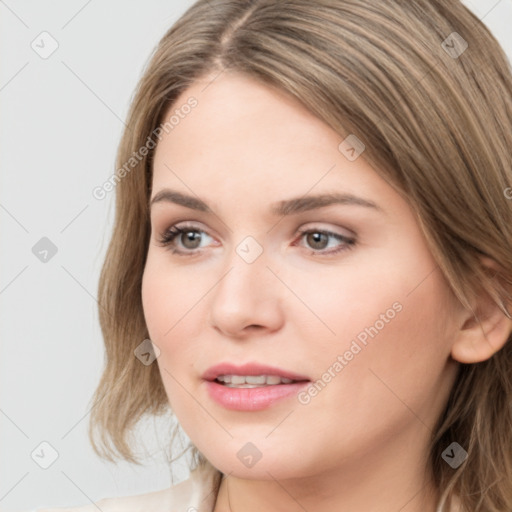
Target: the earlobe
(484, 330)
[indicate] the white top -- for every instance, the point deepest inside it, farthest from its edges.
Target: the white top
(196, 494)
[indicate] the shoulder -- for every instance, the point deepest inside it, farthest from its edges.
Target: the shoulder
(198, 493)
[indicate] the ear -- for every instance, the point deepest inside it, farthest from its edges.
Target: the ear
(484, 330)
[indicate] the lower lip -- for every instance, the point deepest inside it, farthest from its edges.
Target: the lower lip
(251, 399)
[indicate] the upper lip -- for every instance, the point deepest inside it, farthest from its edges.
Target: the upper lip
(249, 369)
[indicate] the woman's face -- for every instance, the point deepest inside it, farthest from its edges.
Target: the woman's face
(344, 294)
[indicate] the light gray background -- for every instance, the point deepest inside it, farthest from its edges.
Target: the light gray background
(61, 121)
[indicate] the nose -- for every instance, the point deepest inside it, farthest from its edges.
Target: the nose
(247, 298)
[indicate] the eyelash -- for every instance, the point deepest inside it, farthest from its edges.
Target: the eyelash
(168, 237)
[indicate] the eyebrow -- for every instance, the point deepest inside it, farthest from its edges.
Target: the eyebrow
(281, 208)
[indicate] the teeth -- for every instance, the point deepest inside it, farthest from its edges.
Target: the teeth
(252, 381)
(273, 379)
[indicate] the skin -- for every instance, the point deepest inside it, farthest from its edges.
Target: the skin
(361, 443)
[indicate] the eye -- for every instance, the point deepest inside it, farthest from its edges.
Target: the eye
(318, 237)
(189, 235)
(190, 238)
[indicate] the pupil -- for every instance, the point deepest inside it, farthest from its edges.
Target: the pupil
(315, 237)
(190, 236)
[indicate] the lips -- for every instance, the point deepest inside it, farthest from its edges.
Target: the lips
(250, 369)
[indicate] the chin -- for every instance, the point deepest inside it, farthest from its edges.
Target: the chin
(243, 462)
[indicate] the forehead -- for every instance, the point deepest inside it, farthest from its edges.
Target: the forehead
(245, 115)
(256, 141)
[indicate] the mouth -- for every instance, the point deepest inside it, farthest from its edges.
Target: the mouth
(251, 387)
(253, 381)
(251, 375)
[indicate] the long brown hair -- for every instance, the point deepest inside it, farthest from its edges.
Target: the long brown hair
(428, 89)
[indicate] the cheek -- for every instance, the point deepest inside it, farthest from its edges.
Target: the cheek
(168, 297)
(394, 347)
(344, 302)
(176, 312)
(154, 300)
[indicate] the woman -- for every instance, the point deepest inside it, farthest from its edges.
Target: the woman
(310, 264)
